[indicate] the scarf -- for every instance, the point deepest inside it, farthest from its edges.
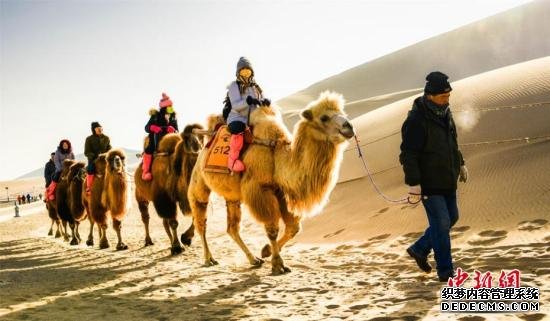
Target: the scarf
(439, 111)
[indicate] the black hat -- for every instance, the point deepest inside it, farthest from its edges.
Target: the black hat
(437, 83)
(94, 126)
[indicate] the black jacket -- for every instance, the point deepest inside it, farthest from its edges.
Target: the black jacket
(429, 150)
(49, 170)
(95, 145)
(158, 118)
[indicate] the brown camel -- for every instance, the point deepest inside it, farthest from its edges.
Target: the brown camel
(171, 169)
(284, 179)
(62, 198)
(75, 179)
(109, 196)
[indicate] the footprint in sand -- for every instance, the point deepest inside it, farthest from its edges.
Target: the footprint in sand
(334, 234)
(384, 210)
(488, 237)
(380, 237)
(532, 225)
(472, 318)
(533, 317)
(458, 231)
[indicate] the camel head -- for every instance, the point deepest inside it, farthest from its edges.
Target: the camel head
(116, 161)
(192, 142)
(77, 172)
(326, 120)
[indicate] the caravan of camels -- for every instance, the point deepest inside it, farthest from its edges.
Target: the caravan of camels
(287, 177)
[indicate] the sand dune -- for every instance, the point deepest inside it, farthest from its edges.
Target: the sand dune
(504, 39)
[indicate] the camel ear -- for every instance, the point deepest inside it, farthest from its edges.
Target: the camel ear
(307, 114)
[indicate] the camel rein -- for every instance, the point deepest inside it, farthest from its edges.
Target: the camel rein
(403, 200)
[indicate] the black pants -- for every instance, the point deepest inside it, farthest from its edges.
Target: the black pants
(56, 176)
(236, 127)
(91, 167)
(154, 139)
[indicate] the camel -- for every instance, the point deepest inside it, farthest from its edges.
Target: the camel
(285, 179)
(75, 179)
(171, 169)
(109, 196)
(62, 199)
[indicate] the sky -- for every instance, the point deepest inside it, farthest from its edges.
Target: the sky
(64, 64)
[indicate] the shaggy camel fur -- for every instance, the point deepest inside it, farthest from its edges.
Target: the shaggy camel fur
(283, 182)
(109, 196)
(171, 169)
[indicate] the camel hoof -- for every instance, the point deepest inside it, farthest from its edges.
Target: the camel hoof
(57, 234)
(103, 245)
(257, 262)
(279, 270)
(186, 240)
(266, 251)
(121, 246)
(74, 241)
(90, 242)
(175, 250)
(210, 262)
(148, 241)
(50, 232)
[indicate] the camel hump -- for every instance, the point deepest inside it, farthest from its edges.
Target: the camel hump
(168, 143)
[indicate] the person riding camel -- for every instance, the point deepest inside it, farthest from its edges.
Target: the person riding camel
(245, 95)
(95, 144)
(64, 151)
(161, 122)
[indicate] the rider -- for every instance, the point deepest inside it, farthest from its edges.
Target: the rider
(95, 144)
(161, 122)
(245, 95)
(64, 151)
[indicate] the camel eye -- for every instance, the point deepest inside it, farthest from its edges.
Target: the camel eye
(325, 118)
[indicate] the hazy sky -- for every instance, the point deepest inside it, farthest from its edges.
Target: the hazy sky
(64, 64)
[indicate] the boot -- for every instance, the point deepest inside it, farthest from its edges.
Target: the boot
(235, 146)
(89, 182)
(51, 191)
(146, 167)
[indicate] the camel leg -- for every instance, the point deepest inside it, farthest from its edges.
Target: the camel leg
(292, 225)
(199, 217)
(166, 225)
(65, 233)
(74, 239)
(265, 207)
(77, 231)
(90, 241)
(233, 228)
(103, 242)
(117, 226)
(144, 210)
(176, 246)
(51, 228)
(58, 232)
(188, 235)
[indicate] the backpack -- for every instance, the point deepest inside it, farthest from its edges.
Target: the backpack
(226, 107)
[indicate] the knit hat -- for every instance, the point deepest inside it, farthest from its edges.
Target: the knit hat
(165, 101)
(94, 126)
(244, 63)
(437, 83)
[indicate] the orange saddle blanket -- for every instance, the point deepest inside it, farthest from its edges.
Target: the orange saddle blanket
(216, 159)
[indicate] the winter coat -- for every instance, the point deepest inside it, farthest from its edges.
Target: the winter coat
(49, 171)
(239, 108)
(429, 150)
(59, 157)
(95, 145)
(157, 118)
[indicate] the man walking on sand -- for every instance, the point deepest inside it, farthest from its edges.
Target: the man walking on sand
(432, 164)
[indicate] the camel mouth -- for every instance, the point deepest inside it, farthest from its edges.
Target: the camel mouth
(347, 130)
